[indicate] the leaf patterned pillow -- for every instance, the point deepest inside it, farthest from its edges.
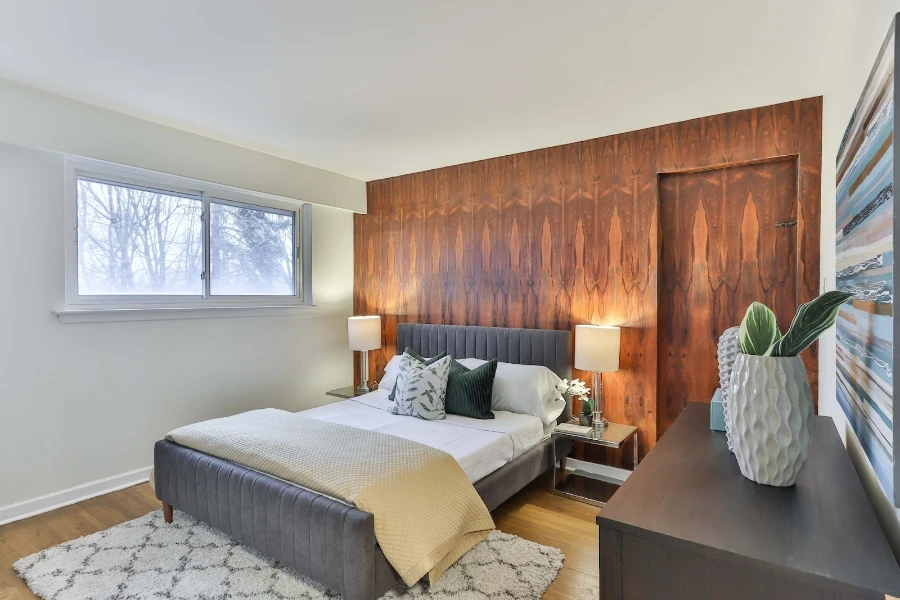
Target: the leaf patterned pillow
(421, 389)
(412, 354)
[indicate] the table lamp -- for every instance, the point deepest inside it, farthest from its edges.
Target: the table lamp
(365, 335)
(597, 350)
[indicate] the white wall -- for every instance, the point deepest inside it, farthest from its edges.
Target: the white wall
(82, 402)
(36, 119)
(865, 25)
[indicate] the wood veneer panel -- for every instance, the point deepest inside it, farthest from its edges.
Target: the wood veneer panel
(437, 251)
(559, 236)
(455, 187)
(721, 251)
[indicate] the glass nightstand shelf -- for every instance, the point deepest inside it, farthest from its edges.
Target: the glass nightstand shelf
(344, 392)
(592, 488)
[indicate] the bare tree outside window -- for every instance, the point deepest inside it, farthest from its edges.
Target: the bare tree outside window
(251, 251)
(137, 241)
(152, 241)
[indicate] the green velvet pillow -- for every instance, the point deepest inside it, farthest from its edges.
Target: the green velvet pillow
(419, 358)
(469, 390)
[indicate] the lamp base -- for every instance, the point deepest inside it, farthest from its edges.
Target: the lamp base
(363, 374)
(600, 423)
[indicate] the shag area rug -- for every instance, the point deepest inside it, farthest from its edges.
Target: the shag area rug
(146, 559)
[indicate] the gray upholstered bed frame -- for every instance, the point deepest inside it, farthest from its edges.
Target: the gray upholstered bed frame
(324, 539)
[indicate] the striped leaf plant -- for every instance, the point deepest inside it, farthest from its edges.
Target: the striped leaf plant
(759, 334)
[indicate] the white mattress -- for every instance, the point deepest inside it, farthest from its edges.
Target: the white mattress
(479, 446)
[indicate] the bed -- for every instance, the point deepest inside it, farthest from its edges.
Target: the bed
(332, 542)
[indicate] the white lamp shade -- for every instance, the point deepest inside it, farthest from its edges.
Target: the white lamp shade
(364, 333)
(597, 348)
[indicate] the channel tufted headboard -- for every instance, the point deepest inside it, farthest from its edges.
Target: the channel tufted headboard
(548, 347)
(551, 348)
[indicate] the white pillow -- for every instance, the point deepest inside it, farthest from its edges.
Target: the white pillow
(524, 389)
(390, 373)
(421, 389)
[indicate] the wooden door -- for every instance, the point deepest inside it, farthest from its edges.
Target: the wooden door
(720, 249)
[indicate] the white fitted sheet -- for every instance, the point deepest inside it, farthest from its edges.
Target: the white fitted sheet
(479, 446)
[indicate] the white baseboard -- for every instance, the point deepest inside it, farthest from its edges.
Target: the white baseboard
(42, 504)
(613, 472)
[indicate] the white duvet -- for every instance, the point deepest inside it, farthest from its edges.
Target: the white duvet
(479, 446)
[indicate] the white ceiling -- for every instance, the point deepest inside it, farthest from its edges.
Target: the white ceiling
(380, 88)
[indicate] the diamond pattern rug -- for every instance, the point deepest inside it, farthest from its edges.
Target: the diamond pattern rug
(146, 559)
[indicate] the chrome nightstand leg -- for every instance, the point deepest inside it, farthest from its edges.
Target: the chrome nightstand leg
(553, 478)
(635, 449)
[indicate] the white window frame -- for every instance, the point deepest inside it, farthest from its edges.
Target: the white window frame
(120, 174)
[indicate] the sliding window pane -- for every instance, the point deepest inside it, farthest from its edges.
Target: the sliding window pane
(251, 250)
(135, 240)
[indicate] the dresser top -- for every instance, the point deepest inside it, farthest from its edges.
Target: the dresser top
(689, 490)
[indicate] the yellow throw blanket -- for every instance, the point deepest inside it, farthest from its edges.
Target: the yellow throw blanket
(427, 513)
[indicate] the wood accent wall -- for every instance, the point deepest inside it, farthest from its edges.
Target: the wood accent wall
(560, 236)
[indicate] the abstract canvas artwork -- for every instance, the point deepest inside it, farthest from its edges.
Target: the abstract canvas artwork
(865, 266)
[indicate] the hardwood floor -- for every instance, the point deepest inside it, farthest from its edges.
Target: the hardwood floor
(536, 514)
(533, 513)
(49, 529)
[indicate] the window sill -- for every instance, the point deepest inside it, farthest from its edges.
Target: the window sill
(105, 315)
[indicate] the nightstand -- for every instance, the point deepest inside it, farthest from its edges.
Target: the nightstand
(345, 392)
(593, 488)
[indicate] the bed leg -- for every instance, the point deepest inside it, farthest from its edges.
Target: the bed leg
(168, 512)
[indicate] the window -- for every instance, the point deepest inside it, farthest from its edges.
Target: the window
(134, 241)
(146, 240)
(252, 250)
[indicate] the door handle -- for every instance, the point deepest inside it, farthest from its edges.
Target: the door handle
(786, 224)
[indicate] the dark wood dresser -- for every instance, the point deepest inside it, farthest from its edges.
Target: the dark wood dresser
(687, 524)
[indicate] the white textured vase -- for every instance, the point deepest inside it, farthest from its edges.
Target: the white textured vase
(770, 413)
(728, 349)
